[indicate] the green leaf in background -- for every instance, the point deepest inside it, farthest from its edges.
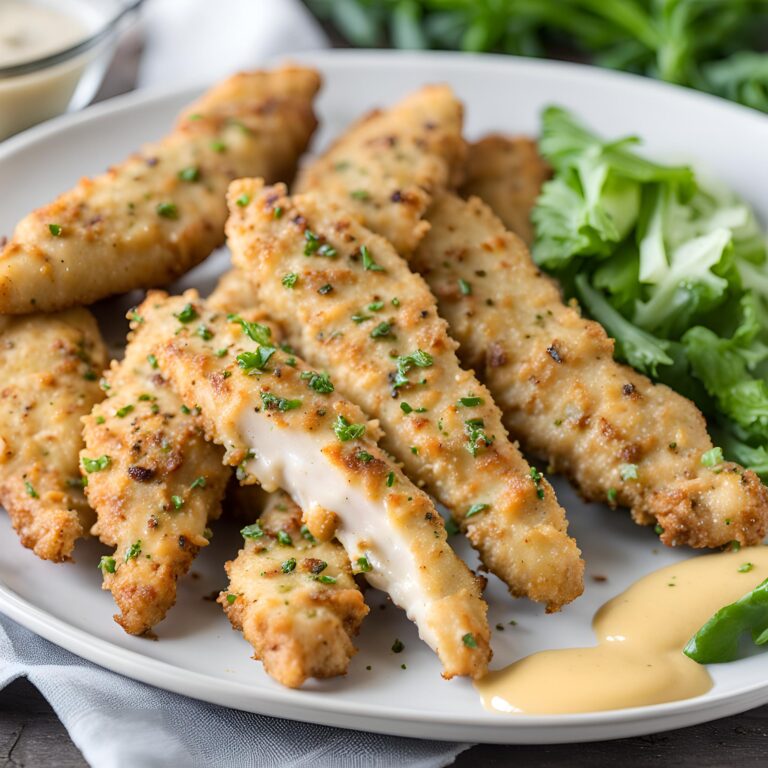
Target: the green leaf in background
(713, 45)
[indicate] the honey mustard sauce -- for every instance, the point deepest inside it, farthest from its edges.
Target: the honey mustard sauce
(641, 633)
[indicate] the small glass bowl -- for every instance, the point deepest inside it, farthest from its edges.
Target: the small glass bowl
(67, 80)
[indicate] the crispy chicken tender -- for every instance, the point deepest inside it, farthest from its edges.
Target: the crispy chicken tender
(50, 368)
(385, 168)
(281, 427)
(154, 482)
(234, 293)
(356, 310)
(294, 598)
(619, 437)
(147, 221)
(507, 172)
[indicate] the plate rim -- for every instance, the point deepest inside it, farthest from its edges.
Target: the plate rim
(300, 705)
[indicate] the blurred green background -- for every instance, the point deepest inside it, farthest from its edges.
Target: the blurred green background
(716, 46)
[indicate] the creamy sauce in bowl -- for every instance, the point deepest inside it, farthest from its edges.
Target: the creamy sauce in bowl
(641, 633)
(29, 31)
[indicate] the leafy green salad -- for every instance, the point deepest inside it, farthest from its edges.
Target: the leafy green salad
(674, 268)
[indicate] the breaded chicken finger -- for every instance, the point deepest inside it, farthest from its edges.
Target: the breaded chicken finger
(281, 426)
(153, 217)
(153, 480)
(385, 168)
(507, 172)
(618, 436)
(50, 367)
(293, 597)
(353, 308)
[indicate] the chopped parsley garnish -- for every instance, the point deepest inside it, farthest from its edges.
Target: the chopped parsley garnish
(192, 173)
(204, 332)
(358, 318)
(324, 290)
(364, 565)
(658, 530)
(320, 382)
(415, 450)
(465, 287)
(186, 410)
(537, 477)
(470, 402)
(364, 456)
(167, 210)
(360, 194)
(395, 302)
(307, 534)
(252, 531)
(735, 546)
(476, 509)
(376, 306)
(107, 564)
(406, 408)
(405, 363)
(290, 279)
(220, 352)
(451, 527)
(231, 599)
(133, 551)
(628, 471)
(314, 246)
(257, 332)
(745, 567)
(255, 361)
(30, 489)
(177, 502)
(368, 262)
(346, 431)
(469, 640)
(121, 413)
(611, 495)
(475, 431)
(187, 314)
(277, 213)
(96, 465)
(289, 565)
(55, 229)
(198, 483)
(326, 579)
(218, 146)
(382, 331)
(397, 646)
(243, 200)
(390, 479)
(152, 360)
(284, 539)
(712, 457)
(275, 403)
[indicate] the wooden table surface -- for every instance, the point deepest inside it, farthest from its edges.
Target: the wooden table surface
(31, 736)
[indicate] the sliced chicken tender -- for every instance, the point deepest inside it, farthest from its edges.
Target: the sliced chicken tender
(50, 366)
(282, 428)
(293, 597)
(150, 219)
(507, 172)
(619, 437)
(355, 310)
(385, 168)
(153, 480)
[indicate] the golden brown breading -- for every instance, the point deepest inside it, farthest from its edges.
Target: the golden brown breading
(294, 598)
(438, 420)
(50, 367)
(507, 172)
(153, 217)
(154, 482)
(385, 168)
(618, 436)
(281, 427)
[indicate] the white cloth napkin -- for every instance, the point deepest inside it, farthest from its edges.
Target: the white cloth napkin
(120, 723)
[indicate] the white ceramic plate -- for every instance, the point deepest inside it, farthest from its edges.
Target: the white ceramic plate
(197, 653)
